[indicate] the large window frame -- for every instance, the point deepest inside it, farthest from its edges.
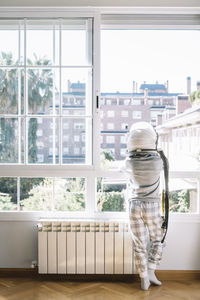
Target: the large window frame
(110, 19)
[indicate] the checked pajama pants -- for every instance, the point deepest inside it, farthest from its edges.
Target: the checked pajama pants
(145, 216)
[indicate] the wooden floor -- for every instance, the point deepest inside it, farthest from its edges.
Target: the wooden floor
(38, 289)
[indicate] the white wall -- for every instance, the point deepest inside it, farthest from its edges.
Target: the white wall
(131, 3)
(18, 246)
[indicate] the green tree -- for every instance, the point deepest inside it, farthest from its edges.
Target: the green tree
(179, 201)
(40, 85)
(6, 203)
(69, 195)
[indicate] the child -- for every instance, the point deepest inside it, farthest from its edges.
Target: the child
(144, 165)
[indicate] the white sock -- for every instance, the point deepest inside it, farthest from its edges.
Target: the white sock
(145, 283)
(152, 277)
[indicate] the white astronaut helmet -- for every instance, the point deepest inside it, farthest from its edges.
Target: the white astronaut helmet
(141, 136)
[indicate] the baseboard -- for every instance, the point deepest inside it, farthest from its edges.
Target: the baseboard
(162, 275)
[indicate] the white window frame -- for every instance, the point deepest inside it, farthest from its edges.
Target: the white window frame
(90, 172)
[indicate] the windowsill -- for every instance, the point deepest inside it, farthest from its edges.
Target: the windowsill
(99, 216)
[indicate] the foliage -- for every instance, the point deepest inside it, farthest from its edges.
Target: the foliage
(110, 201)
(40, 84)
(39, 197)
(69, 195)
(179, 201)
(195, 97)
(6, 203)
(106, 159)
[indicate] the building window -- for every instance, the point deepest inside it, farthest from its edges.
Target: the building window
(137, 114)
(110, 113)
(79, 126)
(40, 158)
(123, 139)
(110, 126)
(39, 132)
(65, 150)
(124, 113)
(65, 138)
(124, 126)
(65, 125)
(123, 152)
(76, 150)
(110, 139)
(76, 138)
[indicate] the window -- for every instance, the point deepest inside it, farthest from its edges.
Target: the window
(65, 138)
(76, 138)
(150, 90)
(110, 126)
(124, 113)
(110, 113)
(76, 150)
(123, 152)
(110, 139)
(137, 114)
(49, 117)
(123, 139)
(42, 63)
(65, 150)
(124, 126)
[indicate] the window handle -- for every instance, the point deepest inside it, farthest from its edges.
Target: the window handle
(97, 102)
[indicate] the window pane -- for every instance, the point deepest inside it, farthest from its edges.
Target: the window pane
(110, 195)
(8, 193)
(161, 95)
(40, 42)
(69, 194)
(74, 141)
(11, 35)
(39, 144)
(183, 195)
(77, 91)
(9, 140)
(41, 92)
(36, 194)
(11, 90)
(77, 42)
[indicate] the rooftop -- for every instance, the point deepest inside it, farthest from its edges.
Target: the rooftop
(154, 86)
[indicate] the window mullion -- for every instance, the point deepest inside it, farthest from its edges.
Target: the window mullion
(25, 100)
(54, 120)
(18, 194)
(60, 95)
(96, 90)
(19, 95)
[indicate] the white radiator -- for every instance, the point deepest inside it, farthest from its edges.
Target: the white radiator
(85, 248)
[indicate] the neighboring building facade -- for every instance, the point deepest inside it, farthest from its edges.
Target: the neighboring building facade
(118, 111)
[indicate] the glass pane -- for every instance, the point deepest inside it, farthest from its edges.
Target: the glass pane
(77, 92)
(12, 35)
(113, 149)
(43, 140)
(43, 92)
(159, 95)
(11, 89)
(40, 42)
(8, 193)
(69, 194)
(9, 140)
(110, 195)
(36, 194)
(183, 195)
(77, 42)
(74, 141)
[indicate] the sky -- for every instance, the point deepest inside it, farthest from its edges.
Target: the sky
(126, 56)
(149, 55)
